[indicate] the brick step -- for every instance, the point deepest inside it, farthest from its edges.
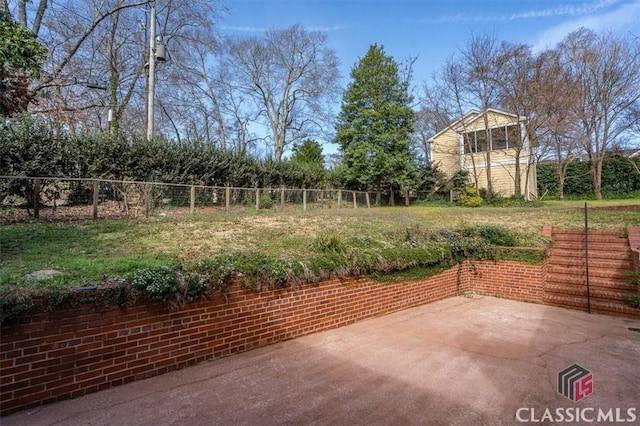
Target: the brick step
(595, 235)
(594, 271)
(565, 301)
(578, 254)
(594, 282)
(614, 308)
(593, 246)
(570, 262)
(619, 309)
(581, 291)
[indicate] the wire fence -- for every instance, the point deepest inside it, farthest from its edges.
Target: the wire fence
(69, 198)
(78, 199)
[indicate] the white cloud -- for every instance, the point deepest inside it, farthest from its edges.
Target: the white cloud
(564, 10)
(620, 19)
(560, 10)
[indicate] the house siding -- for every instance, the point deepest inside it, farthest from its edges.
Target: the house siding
(446, 153)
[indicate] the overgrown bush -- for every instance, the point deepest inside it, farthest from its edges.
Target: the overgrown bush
(172, 286)
(13, 306)
(470, 198)
(620, 178)
(496, 235)
(328, 243)
(265, 201)
(633, 300)
(160, 283)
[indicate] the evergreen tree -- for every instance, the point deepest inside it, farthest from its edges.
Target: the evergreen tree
(375, 125)
(308, 158)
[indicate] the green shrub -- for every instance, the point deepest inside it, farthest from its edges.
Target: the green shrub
(159, 283)
(328, 243)
(13, 306)
(219, 270)
(633, 300)
(497, 235)
(470, 198)
(265, 201)
(258, 270)
(463, 245)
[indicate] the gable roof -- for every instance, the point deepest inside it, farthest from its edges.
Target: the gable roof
(469, 118)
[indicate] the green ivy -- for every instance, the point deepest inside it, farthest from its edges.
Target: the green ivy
(13, 306)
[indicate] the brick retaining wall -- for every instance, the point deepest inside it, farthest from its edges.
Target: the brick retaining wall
(66, 354)
(511, 280)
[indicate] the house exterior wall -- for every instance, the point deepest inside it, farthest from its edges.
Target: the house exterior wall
(448, 154)
(445, 152)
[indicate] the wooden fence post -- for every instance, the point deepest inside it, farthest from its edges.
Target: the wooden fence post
(339, 198)
(96, 194)
(147, 200)
(257, 198)
(304, 199)
(192, 197)
(355, 202)
(282, 197)
(227, 197)
(366, 196)
(36, 198)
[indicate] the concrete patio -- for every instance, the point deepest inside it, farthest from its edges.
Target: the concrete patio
(476, 360)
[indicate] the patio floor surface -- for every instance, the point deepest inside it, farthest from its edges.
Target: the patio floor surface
(464, 360)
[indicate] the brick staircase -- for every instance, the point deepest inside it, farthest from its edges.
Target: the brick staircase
(610, 269)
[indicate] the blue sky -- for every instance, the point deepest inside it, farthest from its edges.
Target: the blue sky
(430, 30)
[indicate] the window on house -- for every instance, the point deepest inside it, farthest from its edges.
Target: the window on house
(481, 141)
(513, 135)
(499, 138)
(469, 142)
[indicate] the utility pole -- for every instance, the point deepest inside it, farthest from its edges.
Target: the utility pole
(152, 73)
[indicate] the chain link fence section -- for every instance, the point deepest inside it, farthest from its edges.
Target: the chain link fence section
(50, 198)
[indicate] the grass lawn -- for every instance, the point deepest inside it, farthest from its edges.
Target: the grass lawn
(89, 251)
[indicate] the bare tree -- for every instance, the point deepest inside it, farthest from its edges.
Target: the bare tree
(432, 117)
(447, 95)
(607, 70)
(289, 75)
(480, 65)
(103, 44)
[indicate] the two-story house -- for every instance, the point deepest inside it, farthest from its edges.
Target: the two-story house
(467, 145)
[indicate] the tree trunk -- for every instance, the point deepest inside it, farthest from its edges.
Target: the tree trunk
(488, 156)
(596, 177)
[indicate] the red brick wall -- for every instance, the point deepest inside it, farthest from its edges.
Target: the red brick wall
(67, 354)
(511, 280)
(58, 355)
(634, 243)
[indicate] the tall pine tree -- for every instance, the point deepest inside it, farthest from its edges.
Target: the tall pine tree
(375, 125)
